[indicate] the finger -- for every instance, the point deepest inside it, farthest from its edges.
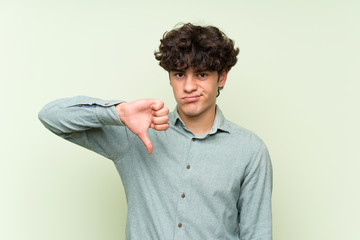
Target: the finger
(163, 111)
(161, 127)
(147, 142)
(160, 120)
(157, 105)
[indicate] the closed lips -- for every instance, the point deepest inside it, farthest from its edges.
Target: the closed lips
(191, 97)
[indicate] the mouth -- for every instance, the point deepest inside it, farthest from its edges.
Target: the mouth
(191, 98)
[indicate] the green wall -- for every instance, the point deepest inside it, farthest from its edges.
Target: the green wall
(296, 85)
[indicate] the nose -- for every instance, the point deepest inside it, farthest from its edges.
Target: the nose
(190, 84)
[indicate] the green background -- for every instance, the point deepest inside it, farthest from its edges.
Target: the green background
(296, 85)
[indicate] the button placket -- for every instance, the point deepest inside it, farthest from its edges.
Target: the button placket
(182, 214)
(188, 165)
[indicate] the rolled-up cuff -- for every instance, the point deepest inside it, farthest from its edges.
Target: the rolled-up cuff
(106, 113)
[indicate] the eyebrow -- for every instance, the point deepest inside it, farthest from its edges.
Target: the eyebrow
(195, 71)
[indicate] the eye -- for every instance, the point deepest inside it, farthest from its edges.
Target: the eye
(179, 75)
(203, 75)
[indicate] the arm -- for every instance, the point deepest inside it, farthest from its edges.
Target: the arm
(96, 124)
(255, 198)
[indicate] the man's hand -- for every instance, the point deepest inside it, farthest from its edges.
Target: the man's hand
(138, 116)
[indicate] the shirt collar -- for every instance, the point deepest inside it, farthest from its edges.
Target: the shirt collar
(219, 122)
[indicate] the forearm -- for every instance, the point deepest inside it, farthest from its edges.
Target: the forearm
(89, 122)
(68, 115)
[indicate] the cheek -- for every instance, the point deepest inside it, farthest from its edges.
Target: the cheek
(176, 91)
(209, 88)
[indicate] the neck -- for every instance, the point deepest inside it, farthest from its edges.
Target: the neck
(199, 124)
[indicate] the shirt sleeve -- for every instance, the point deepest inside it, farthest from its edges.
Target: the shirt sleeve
(255, 198)
(89, 122)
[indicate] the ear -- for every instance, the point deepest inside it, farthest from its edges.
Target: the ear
(222, 78)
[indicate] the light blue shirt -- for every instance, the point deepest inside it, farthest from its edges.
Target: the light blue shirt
(211, 186)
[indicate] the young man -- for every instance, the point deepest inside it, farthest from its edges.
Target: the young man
(199, 176)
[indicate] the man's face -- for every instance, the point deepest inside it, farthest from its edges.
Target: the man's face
(195, 92)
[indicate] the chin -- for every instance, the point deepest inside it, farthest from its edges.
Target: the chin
(191, 112)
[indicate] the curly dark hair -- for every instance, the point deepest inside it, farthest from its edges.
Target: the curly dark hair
(204, 48)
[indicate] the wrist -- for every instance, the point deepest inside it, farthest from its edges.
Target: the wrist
(120, 111)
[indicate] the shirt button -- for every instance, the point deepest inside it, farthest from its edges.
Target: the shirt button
(179, 225)
(106, 104)
(188, 166)
(183, 195)
(194, 139)
(80, 105)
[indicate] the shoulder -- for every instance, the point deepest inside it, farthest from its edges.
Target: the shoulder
(244, 138)
(249, 149)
